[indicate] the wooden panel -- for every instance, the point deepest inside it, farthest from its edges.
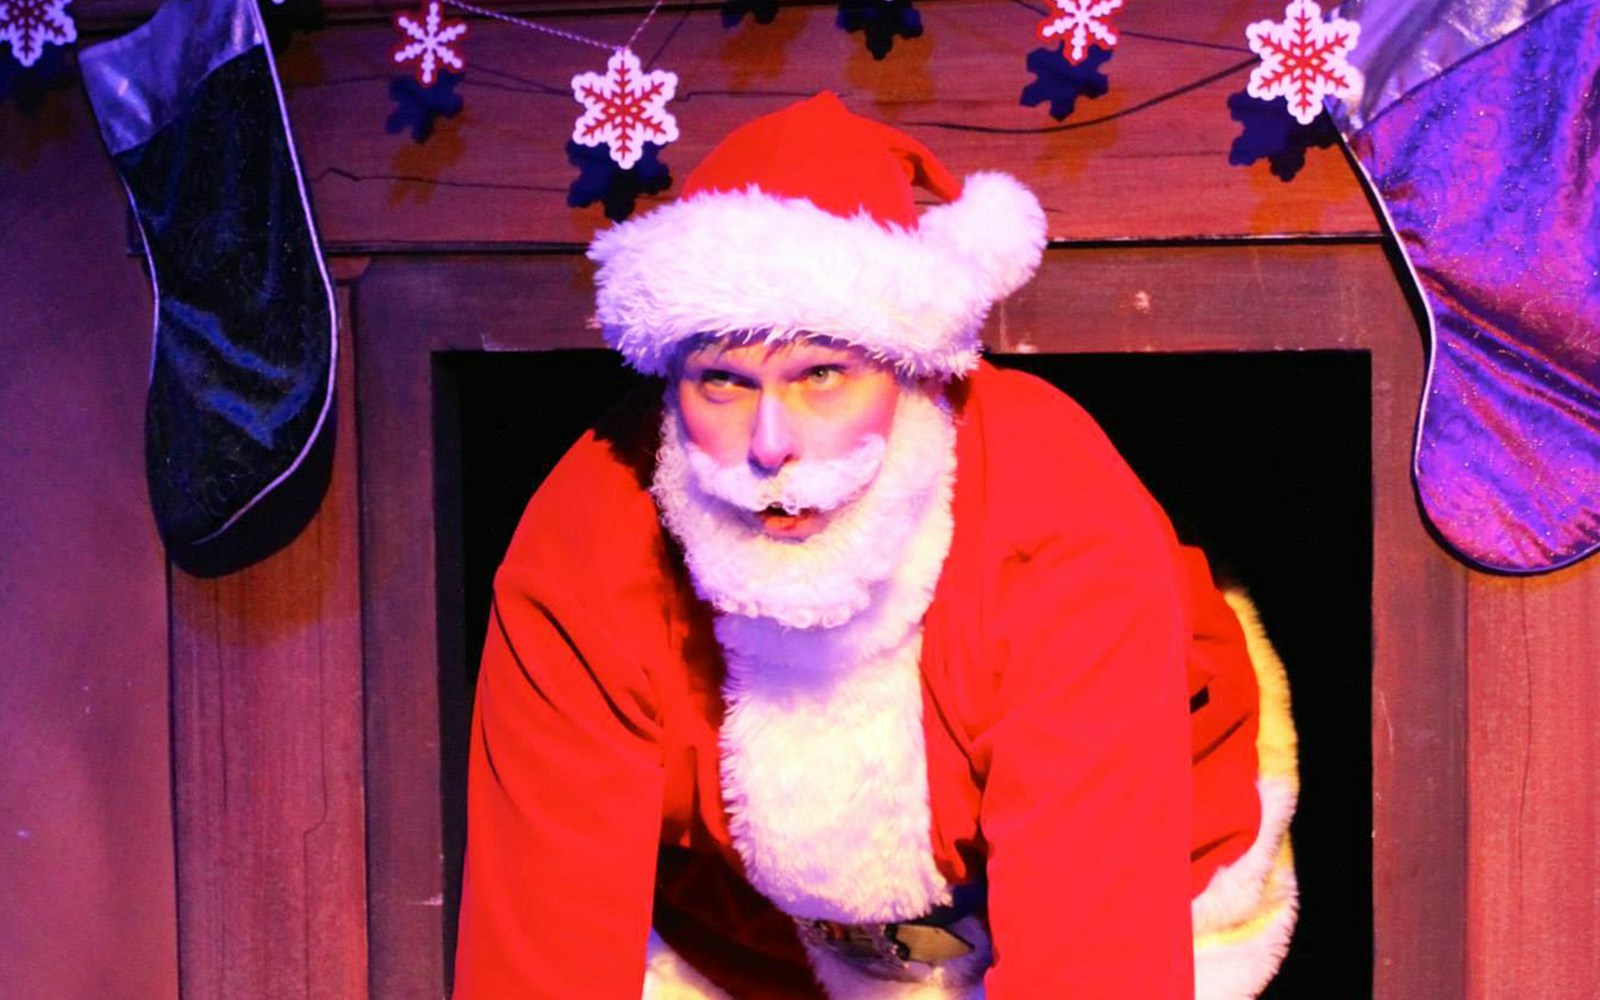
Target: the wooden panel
(85, 802)
(1418, 702)
(497, 176)
(1141, 299)
(1147, 160)
(267, 732)
(404, 843)
(1535, 833)
(1255, 297)
(408, 309)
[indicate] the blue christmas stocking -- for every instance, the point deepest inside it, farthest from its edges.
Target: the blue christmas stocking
(239, 419)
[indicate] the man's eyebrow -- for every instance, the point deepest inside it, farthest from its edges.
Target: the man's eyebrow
(706, 359)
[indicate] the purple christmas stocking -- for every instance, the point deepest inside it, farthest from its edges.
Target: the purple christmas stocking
(1479, 127)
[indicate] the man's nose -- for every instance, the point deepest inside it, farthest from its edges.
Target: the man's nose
(772, 440)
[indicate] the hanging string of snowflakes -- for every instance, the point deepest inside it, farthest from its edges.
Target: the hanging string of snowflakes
(1302, 60)
(624, 107)
(1302, 56)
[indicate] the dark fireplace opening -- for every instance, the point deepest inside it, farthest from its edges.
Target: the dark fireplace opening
(1262, 459)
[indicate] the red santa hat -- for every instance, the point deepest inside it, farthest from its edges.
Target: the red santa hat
(804, 223)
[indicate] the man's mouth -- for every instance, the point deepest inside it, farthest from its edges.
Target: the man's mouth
(777, 522)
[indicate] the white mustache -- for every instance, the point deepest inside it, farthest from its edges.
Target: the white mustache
(806, 484)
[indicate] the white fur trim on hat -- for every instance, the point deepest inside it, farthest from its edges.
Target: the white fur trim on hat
(748, 262)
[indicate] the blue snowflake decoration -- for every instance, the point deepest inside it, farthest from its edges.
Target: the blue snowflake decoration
(733, 11)
(1059, 81)
(284, 18)
(882, 21)
(419, 108)
(1271, 133)
(28, 85)
(600, 179)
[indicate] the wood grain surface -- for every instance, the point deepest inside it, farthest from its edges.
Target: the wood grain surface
(267, 761)
(1534, 898)
(409, 308)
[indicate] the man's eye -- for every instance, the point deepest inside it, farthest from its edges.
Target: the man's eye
(823, 376)
(718, 384)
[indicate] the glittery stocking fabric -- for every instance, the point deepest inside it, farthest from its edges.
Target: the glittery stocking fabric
(238, 421)
(1480, 130)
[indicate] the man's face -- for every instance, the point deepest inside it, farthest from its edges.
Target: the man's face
(768, 406)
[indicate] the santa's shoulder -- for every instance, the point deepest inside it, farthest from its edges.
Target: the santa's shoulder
(592, 517)
(1040, 462)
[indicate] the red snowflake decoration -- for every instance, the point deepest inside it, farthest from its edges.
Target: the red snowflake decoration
(625, 108)
(1083, 23)
(29, 24)
(429, 43)
(1303, 59)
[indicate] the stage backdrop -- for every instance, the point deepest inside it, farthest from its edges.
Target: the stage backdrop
(295, 851)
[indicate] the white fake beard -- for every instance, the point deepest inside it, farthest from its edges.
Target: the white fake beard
(827, 579)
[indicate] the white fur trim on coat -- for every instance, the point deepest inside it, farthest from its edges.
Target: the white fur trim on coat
(1234, 894)
(733, 262)
(826, 783)
(1237, 964)
(669, 976)
(1245, 917)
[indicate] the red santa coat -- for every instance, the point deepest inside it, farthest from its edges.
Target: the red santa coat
(1083, 686)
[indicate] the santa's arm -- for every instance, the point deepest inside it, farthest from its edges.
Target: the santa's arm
(1086, 806)
(564, 793)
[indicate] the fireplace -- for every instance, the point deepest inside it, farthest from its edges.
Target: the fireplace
(1275, 428)
(1260, 458)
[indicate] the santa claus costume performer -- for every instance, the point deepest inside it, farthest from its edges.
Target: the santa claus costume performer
(850, 665)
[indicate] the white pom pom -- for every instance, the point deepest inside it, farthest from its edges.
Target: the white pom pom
(996, 227)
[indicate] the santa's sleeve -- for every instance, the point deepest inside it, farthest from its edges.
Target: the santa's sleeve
(565, 780)
(1087, 800)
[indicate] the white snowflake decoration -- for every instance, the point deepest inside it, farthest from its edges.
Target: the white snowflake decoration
(28, 24)
(430, 43)
(1303, 59)
(1082, 23)
(625, 108)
